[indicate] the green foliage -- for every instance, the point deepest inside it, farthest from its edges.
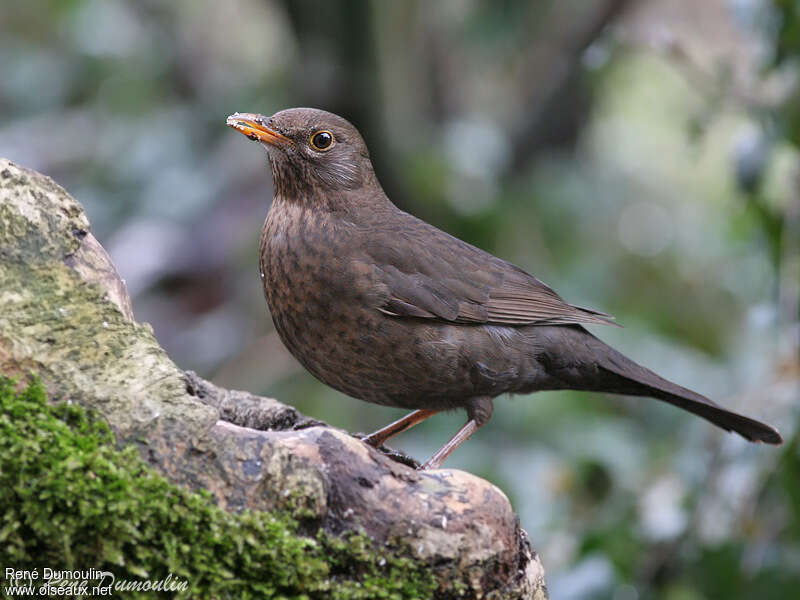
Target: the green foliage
(786, 50)
(71, 500)
(787, 42)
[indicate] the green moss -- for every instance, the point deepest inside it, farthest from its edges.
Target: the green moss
(70, 499)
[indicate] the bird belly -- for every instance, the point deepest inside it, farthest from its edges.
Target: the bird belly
(371, 358)
(390, 361)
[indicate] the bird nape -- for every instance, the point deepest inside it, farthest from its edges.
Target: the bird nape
(389, 309)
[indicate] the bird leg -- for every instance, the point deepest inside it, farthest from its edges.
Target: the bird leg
(377, 438)
(463, 434)
(479, 411)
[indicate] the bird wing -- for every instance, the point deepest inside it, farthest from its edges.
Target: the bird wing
(423, 272)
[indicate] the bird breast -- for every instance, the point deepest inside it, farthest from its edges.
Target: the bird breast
(316, 294)
(301, 263)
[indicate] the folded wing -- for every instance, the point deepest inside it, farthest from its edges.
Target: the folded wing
(423, 272)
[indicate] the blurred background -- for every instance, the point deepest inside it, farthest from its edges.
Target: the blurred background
(640, 157)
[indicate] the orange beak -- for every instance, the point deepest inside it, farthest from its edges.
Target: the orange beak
(252, 125)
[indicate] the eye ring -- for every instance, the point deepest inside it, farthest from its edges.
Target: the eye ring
(322, 141)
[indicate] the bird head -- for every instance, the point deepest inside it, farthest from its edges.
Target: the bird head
(309, 150)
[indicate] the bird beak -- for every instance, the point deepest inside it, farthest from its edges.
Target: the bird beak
(252, 125)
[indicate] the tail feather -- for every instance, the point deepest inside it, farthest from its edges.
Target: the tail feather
(636, 380)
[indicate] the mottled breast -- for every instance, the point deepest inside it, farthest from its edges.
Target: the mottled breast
(317, 296)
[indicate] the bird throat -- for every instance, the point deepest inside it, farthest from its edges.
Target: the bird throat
(290, 183)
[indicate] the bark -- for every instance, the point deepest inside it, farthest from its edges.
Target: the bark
(65, 315)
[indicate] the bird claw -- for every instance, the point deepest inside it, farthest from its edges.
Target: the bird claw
(395, 455)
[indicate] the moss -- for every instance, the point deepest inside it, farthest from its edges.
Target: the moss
(70, 499)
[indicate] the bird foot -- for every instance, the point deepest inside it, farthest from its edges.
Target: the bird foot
(395, 455)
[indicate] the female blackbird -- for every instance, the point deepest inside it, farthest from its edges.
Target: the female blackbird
(386, 308)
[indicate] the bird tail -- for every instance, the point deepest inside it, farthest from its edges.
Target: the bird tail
(623, 376)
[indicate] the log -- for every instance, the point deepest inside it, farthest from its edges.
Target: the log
(66, 316)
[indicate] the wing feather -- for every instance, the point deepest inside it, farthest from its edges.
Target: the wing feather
(432, 275)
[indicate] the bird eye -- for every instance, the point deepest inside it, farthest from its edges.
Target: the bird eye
(322, 141)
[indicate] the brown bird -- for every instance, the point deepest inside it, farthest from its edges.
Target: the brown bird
(386, 308)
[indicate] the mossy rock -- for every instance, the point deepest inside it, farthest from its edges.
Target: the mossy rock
(71, 500)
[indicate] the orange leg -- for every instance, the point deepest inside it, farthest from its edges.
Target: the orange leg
(461, 436)
(479, 411)
(377, 439)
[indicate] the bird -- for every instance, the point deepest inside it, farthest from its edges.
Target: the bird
(387, 308)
